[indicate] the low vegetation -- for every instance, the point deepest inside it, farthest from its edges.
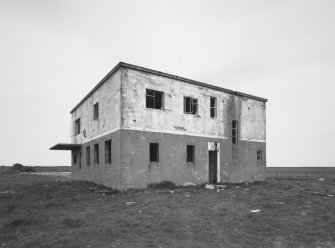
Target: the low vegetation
(21, 168)
(41, 211)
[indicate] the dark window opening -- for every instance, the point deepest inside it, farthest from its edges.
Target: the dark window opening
(88, 155)
(190, 105)
(74, 159)
(96, 111)
(154, 152)
(213, 107)
(234, 132)
(96, 154)
(190, 154)
(154, 99)
(259, 155)
(77, 126)
(79, 161)
(108, 151)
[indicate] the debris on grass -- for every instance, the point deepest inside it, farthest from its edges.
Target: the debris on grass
(171, 191)
(7, 192)
(187, 195)
(221, 186)
(298, 187)
(218, 190)
(189, 184)
(255, 211)
(209, 186)
(330, 195)
(322, 179)
(279, 202)
(247, 189)
(130, 203)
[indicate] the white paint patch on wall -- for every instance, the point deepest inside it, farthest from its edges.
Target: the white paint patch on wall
(252, 120)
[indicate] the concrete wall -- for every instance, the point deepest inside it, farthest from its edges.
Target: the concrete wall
(108, 96)
(102, 173)
(138, 171)
(135, 115)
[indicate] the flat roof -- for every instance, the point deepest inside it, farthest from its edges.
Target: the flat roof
(159, 73)
(65, 146)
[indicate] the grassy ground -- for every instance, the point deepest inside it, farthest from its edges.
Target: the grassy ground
(39, 211)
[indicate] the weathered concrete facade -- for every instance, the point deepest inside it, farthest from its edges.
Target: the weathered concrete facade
(131, 126)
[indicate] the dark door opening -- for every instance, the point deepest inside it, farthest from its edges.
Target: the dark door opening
(212, 170)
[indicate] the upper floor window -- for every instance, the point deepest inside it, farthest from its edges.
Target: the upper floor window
(190, 105)
(213, 107)
(234, 134)
(96, 111)
(77, 126)
(154, 99)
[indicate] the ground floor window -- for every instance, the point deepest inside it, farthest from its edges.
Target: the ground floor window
(108, 151)
(190, 154)
(259, 155)
(79, 161)
(88, 155)
(154, 152)
(75, 159)
(96, 154)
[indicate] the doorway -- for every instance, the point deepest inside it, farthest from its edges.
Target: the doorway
(213, 162)
(212, 172)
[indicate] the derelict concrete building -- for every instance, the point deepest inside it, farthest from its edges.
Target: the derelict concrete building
(140, 126)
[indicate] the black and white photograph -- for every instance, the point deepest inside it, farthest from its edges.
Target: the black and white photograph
(167, 123)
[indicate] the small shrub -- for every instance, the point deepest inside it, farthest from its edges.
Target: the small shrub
(162, 185)
(17, 167)
(21, 168)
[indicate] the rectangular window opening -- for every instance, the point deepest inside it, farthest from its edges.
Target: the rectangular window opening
(108, 151)
(154, 99)
(190, 153)
(234, 132)
(77, 126)
(79, 161)
(96, 154)
(213, 107)
(154, 152)
(259, 155)
(96, 111)
(88, 155)
(190, 105)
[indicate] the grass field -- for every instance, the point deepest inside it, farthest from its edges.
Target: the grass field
(301, 172)
(42, 211)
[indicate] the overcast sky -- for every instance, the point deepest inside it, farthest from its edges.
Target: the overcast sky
(52, 53)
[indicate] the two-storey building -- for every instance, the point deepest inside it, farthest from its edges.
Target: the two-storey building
(140, 126)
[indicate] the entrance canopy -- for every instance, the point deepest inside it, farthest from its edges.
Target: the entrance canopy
(64, 146)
